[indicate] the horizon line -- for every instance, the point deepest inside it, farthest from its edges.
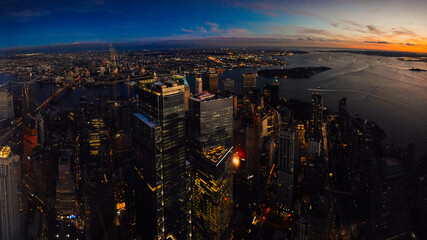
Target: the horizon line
(212, 43)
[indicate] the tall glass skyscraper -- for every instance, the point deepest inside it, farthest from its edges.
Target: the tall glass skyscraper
(316, 119)
(159, 134)
(211, 121)
(287, 157)
(210, 151)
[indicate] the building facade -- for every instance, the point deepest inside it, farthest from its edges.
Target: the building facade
(161, 158)
(210, 151)
(10, 178)
(248, 81)
(316, 118)
(6, 105)
(210, 82)
(286, 162)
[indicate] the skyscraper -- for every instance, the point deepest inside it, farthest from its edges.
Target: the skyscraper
(28, 101)
(391, 202)
(161, 158)
(248, 81)
(228, 85)
(10, 178)
(29, 129)
(210, 82)
(187, 92)
(199, 85)
(315, 126)
(65, 192)
(212, 206)
(6, 105)
(210, 140)
(211, 122)
(286, 162)
(271, 95)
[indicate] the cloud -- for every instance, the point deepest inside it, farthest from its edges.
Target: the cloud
(378, 42)
(237, 32)
(202, 29)
(410, 44)
(25, 15)
(309, 34)
(213, 29)
(334, 24)
(187, 30)
(374, 29)
(403, 31)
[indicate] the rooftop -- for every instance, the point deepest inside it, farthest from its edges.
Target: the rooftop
(216, 155)
(5, 152)
(145, 120)
(203, 96)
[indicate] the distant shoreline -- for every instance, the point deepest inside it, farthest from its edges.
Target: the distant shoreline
(300, 72)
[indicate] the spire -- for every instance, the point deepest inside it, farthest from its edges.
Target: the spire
(184, 80)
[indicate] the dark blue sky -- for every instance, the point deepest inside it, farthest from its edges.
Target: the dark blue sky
(334, 23)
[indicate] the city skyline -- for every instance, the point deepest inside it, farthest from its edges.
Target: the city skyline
(379, 25)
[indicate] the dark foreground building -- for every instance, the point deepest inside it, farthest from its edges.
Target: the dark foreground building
(163, 189)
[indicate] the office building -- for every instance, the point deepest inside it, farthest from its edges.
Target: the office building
(316, 118)
(28, 101)
(212, 206)
(271, 94)
(210, 151)
(65, 192)
(10, 178)
(286, 163)
(248, 81)
(6, 105)
(391, 202)
(228, 85)
(210, 122)
(199, 85)
(160, 152)
(210, 82)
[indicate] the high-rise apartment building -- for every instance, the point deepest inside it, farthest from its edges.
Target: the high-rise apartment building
(160, 150)
(10, 178)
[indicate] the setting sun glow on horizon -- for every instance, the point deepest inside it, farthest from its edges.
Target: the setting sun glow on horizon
(381, 25)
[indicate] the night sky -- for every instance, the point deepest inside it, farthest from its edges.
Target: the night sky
(385, 25)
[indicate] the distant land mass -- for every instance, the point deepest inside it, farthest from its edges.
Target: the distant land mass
(378, 53)
(417, 70)
(299, 72)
